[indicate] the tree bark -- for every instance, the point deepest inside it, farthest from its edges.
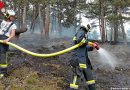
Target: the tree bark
(111, 37)
(40, 20)
(24, 14)
(60, 26)
(19, 17)
(115, 26)
(102, 20)
(34, 17)
(52, 23)
(122, 27)
(47, 21)
(106, 30)
(123, 32)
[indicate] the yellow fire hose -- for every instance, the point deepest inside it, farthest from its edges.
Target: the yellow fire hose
(44, 55)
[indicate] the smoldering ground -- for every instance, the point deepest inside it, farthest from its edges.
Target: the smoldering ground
(28, 72)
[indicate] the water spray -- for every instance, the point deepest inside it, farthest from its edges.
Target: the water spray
(107, 58)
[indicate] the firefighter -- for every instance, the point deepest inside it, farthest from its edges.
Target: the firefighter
(7, 32)
(80, 62)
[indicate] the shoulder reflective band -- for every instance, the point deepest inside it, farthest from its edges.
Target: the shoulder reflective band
(91, 82)
(3, 65)
(82, 65)
(74, 38)
(83, 40)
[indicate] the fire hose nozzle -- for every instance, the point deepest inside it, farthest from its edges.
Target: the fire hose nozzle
(95, 45)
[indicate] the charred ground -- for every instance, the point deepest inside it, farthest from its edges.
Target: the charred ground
(33, 73)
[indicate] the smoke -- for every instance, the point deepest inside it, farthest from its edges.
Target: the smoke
(107, 58)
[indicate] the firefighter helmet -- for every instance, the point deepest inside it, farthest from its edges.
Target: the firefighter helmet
(10, 13)
(86, 26)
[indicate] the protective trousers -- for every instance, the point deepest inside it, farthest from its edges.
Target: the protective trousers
(3, 57)
(86, 72)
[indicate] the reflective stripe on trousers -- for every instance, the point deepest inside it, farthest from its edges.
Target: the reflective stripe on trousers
(73, 85)
(82, 65)
(3, 65)
(90, 82)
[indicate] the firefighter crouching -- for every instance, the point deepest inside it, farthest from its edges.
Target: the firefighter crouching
(80, 62)
(7, 32)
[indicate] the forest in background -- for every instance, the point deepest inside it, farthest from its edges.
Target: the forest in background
(110, 14)
(111, 63)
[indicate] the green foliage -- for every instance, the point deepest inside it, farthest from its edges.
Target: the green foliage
(120, 3)
(113, 17)
(66, 9)
(20, 2)
(70, 8)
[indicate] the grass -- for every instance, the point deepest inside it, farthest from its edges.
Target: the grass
(32, 79)
(22, 72)
(1, 86)
(24, 78)
(16, 87)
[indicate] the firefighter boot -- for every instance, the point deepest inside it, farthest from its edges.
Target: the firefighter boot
(92, 87)
(72, 89)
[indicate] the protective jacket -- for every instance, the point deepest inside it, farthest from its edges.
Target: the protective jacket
(80, 55)
(80, 62)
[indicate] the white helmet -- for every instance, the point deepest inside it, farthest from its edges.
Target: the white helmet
(86, 26)
(10, 13)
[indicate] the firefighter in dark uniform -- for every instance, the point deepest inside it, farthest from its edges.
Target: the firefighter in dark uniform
(80, 62)
(7, 32)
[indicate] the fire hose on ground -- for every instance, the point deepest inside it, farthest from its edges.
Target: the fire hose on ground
(44, 55)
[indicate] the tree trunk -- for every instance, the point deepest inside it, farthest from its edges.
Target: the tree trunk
(106, 32)
(115, 32)
(103, 29)
(123, 30)
(111, 37)
(100, 27)
(24, 14)
(60, 26)
(102, 22)
(106, 36)
(47, 21)
(44, 16)
(40, 20)
(34, 17)
(115, 27)
(75, 13)
(19, 17)
(55, 23)
(52, 23)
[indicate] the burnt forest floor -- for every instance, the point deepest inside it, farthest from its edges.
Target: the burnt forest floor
(27, 72)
